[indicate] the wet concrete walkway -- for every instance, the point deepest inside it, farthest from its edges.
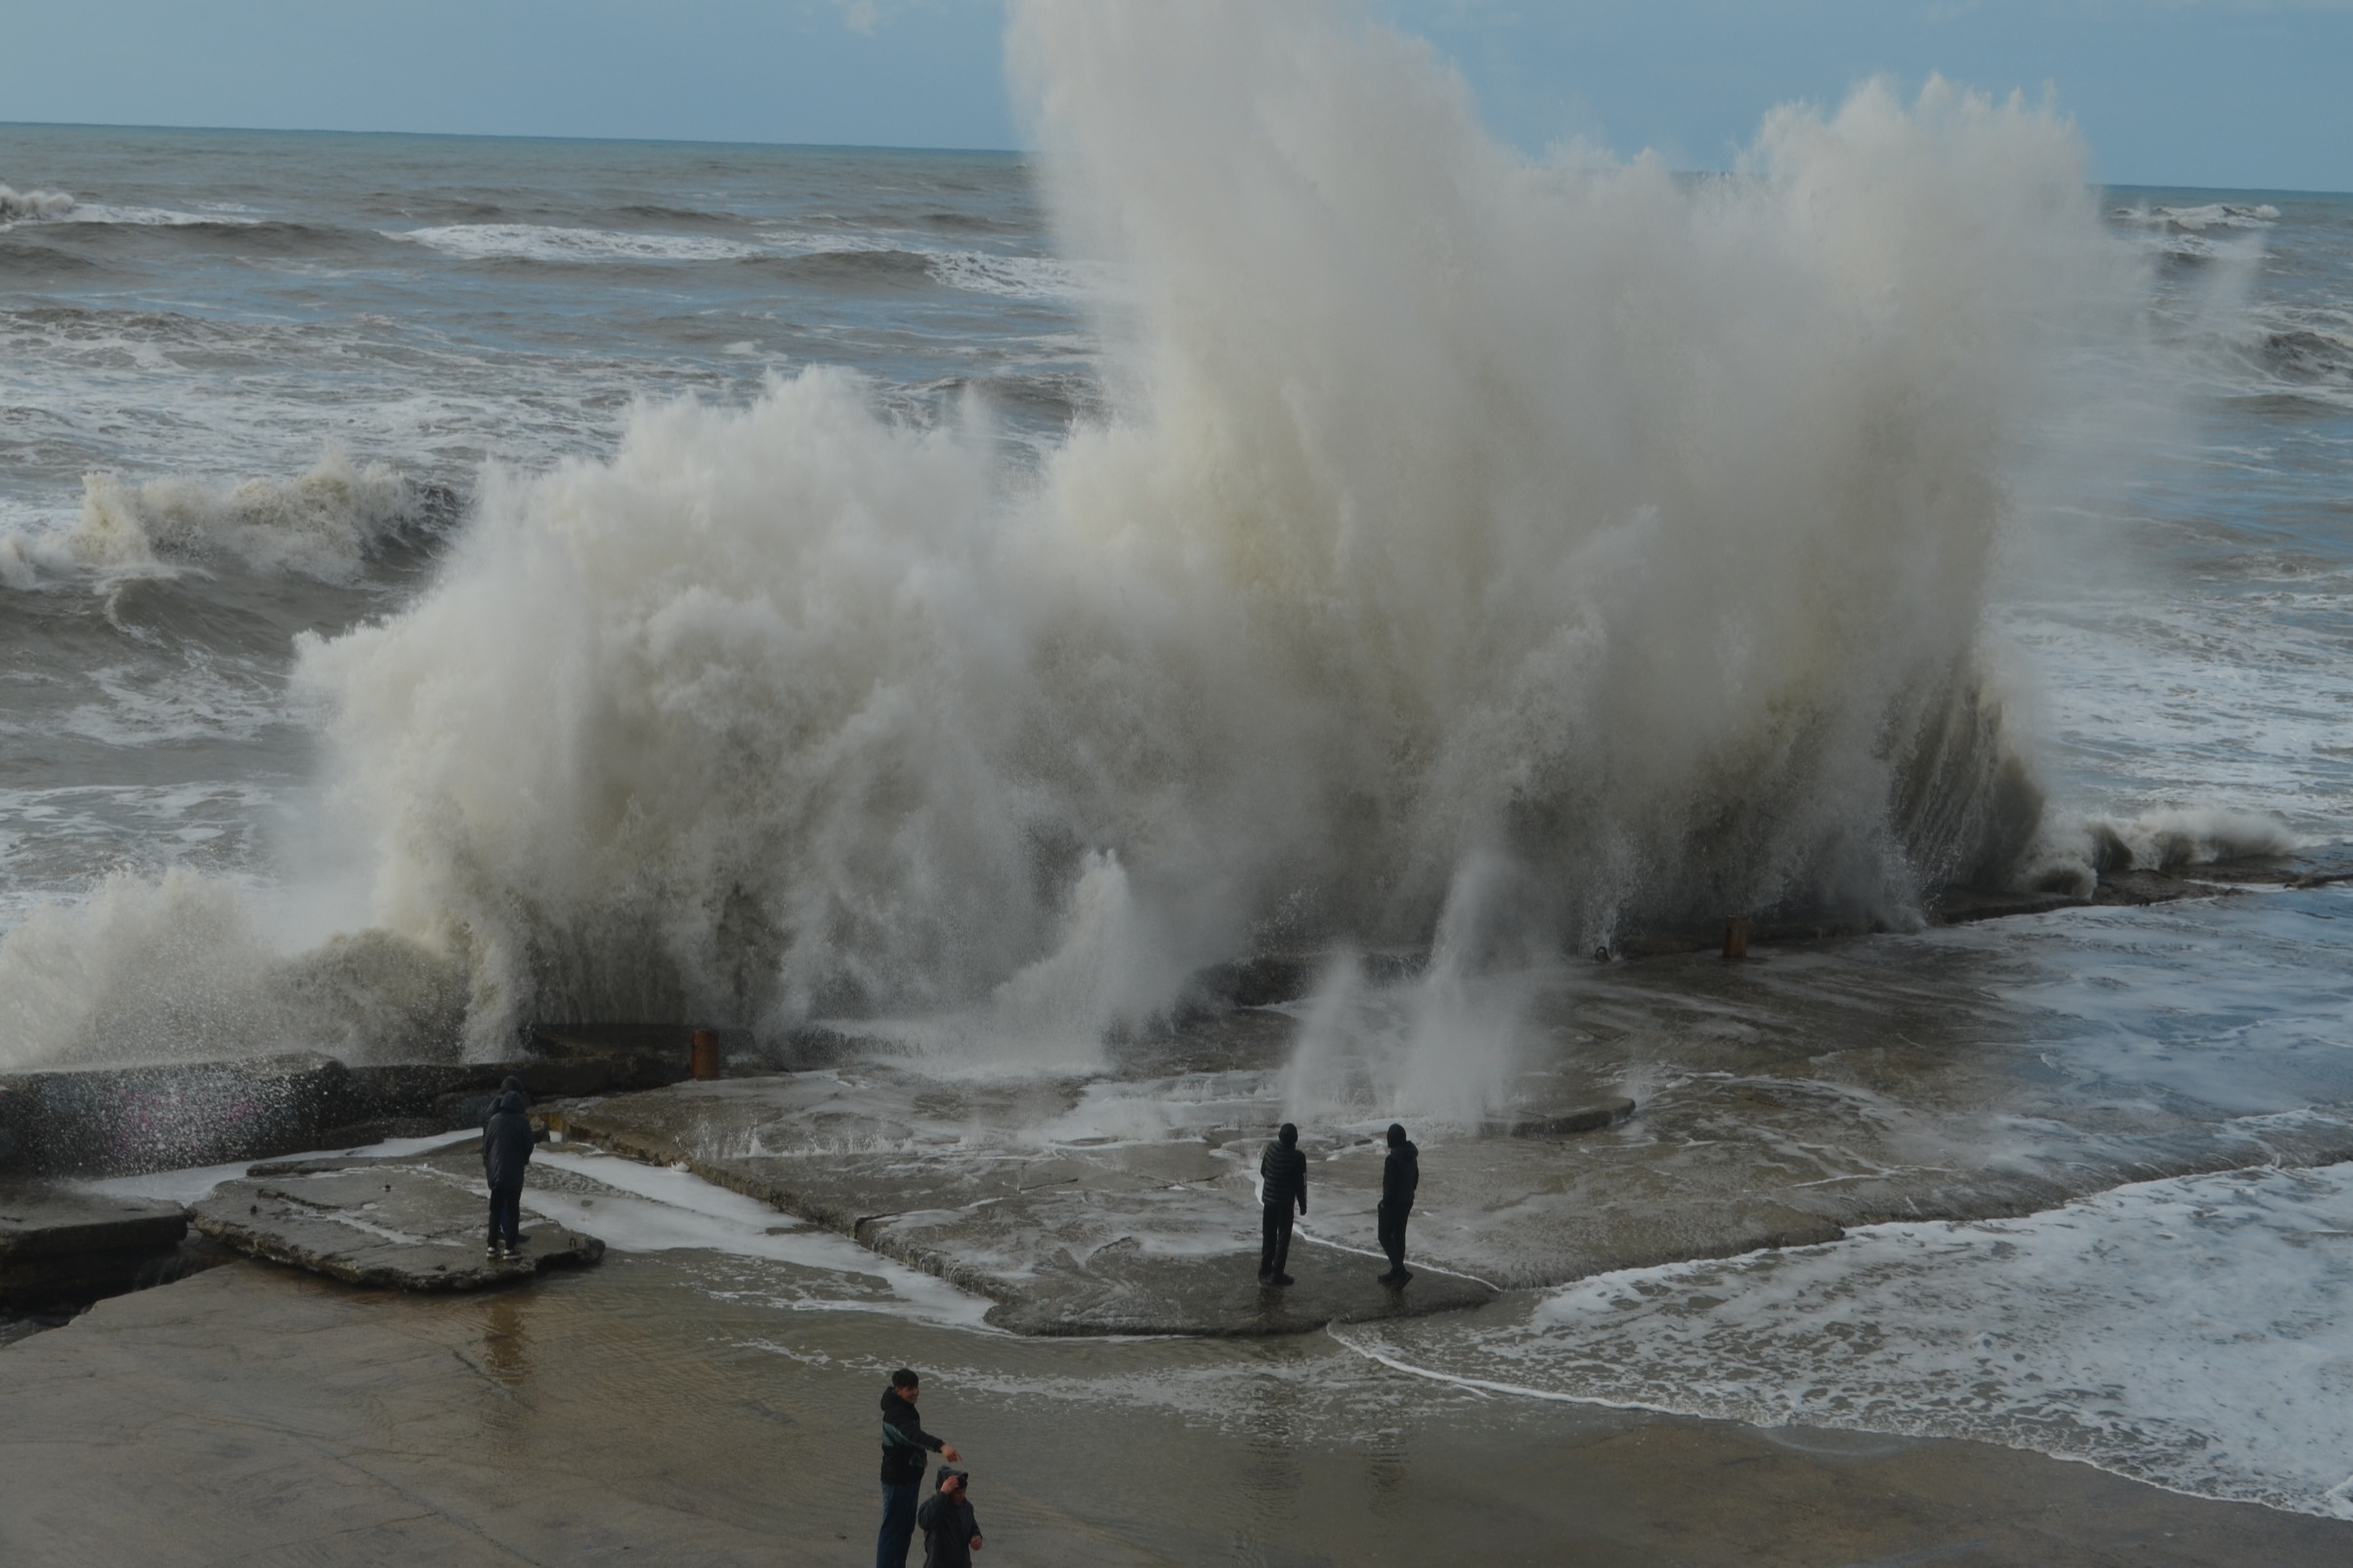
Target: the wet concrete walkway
(656, 1410)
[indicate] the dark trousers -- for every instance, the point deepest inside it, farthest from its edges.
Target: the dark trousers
(1393, 1236)
(1274, 1246)
(898, 1522)
(506, 1214)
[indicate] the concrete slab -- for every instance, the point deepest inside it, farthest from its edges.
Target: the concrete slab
(1072, 1234)
(385, 1225)
(58, 1244)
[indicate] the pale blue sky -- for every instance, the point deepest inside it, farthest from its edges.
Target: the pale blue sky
(2192, 91)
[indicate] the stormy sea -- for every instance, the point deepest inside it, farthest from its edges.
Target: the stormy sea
(955, 602)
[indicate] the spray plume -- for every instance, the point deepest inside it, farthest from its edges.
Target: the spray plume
(1620, 535)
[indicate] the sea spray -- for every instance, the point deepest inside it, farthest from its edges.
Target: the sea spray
(1622, 534)
(174, 968)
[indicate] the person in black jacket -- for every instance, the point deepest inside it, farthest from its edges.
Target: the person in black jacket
(951, 1531)
(1282, 1182)
(904, 1444)
(1400, 1174)
(505, 1151)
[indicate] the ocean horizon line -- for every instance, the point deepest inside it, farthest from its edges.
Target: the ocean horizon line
(906, 149)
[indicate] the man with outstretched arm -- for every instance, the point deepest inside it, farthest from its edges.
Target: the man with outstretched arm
(1400, 1176)
(1282, 1183)
(904, 1445)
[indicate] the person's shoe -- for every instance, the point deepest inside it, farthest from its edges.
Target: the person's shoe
(1282, 1279)
(1265, 1278)
(1403, 1276)
(492, 1254)
(1391, 1277)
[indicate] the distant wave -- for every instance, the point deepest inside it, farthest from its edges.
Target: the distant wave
(849, 268)
(2314, 353)
(2194, 235)
(517, 241)
(322, 525)
(654, 212)
(2198, 219)
(245, 235)
(1031, 276)
(17, 205)
(854, 265)
(90, 212)
(840, 259)
(27, 260)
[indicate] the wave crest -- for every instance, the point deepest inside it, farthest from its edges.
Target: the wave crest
(321, 525)
(17, 205)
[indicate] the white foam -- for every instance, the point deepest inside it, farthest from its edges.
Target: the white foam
(667, 1211)
(649, 1208)
(96, 212)
(2194, 1333)
(549, 244)
(187, 1186)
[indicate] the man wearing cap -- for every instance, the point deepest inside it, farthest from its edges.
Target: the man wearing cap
(1282, 1182)
(951, 1533)
(904, 1444)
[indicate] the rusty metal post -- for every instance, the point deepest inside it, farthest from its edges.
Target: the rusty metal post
(703, 1056)
(1736, 936)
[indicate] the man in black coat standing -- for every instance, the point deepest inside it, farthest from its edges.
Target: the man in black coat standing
(1400, 1175)
(505, 1151)
(904, 1444)
(1282, 1182)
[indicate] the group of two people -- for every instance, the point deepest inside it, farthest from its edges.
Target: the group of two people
(1283, 1190)
(951, 1531)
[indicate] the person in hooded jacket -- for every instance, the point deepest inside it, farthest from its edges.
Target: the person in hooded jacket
(904, 1443)
(951, 1531)
(506, 1144)
(1400, 1175)
(1282, 1182)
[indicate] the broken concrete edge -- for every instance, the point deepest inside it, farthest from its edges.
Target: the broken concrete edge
(80, 1224)
(61, 1249)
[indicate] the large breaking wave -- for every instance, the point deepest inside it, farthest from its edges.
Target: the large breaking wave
(1623, 535)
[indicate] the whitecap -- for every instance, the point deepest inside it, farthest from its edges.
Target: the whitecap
(542, 243)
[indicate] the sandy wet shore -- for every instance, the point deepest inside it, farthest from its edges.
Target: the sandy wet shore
(691, 1406)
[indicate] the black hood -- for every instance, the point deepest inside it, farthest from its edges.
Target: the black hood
(890, 1397)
